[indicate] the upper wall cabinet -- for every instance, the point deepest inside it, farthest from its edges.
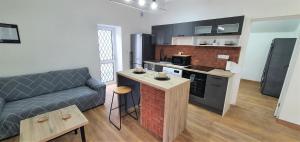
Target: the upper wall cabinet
(215, 27)
(183, 29)
(162, 34)
(205, 27)
(229, 26)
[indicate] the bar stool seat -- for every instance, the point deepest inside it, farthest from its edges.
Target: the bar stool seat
(121, 91)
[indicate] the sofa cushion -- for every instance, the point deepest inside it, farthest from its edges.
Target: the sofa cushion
(13, 112)
(95, 84)
(2, 102)
(26, 86)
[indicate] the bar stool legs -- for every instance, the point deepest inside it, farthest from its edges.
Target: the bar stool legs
(136, 118)
(119, 107)
(112, 101)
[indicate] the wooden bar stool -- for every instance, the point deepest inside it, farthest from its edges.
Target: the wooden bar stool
(122, 91)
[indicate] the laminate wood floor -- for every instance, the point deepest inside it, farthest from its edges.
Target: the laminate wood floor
(251, 120)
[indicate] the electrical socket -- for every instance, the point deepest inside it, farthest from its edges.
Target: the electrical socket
(225, 57)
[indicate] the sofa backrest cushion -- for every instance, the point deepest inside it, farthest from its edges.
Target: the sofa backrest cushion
(2, 102)
(26, 86)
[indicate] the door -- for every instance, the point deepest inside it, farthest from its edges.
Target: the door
(163, 34)
(148, 48)
(107, 48)
(230, 25)
(204, 27)
(158, 33)
(183, 29)
(215, 92)
(277, 66)
(168, 33)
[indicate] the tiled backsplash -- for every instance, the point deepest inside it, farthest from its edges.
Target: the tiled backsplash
(204, 56)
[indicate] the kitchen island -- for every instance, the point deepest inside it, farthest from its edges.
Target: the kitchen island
(163, 104)
(218, 90)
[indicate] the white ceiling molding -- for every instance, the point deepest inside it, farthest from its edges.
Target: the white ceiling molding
(146, 8)
(275, 26)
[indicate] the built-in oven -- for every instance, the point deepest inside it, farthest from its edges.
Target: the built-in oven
(197, 86)
(181, 60)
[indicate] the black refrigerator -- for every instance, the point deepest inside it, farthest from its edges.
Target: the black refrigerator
(276, 66)
(142, 49)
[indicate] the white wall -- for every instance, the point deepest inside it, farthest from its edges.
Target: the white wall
(257, 52)
(289, 98)
(61, 34)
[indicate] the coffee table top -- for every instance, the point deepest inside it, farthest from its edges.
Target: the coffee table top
(33, 131)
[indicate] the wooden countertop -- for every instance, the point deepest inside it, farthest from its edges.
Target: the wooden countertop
(215, 72)
(148, 79)
(212, 46)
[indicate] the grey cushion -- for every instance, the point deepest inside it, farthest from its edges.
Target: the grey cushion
(95, 84)
(13, 112)
(26, 86)
(2, 102)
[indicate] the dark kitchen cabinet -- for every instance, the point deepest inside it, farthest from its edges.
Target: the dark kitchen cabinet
(183, 29)
(158, 68)
(149, 66)
(204, 28)
(215, 92)
(214, 27)
(162, 34)
(229, 26)
(153, 67)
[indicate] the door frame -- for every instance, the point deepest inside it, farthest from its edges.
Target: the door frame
(244, 43)
(114, 46)
(290, 72)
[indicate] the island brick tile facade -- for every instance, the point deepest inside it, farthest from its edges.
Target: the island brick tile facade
(152, 109)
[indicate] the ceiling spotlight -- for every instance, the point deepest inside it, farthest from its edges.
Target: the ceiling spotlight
(142, 2)
(154, 5)
(128, 0)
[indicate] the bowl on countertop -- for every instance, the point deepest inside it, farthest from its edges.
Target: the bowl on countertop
(139, 70)
(162, 76)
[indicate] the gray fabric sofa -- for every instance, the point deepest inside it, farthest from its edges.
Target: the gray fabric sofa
(25, 96)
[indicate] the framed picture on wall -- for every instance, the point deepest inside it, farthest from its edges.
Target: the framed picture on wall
(9, 33)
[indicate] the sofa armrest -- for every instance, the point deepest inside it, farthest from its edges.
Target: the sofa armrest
(95, 84)
(2, 102)
(99, 87)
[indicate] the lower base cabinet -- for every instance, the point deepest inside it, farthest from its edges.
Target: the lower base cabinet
(215, 92)
(214, 96)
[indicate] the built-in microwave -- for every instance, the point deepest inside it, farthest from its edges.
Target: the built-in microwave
(181, 60)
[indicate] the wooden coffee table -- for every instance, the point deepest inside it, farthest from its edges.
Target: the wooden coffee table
(33, 131)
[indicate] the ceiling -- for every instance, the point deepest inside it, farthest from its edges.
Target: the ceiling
(146, 8)
(275, 26)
